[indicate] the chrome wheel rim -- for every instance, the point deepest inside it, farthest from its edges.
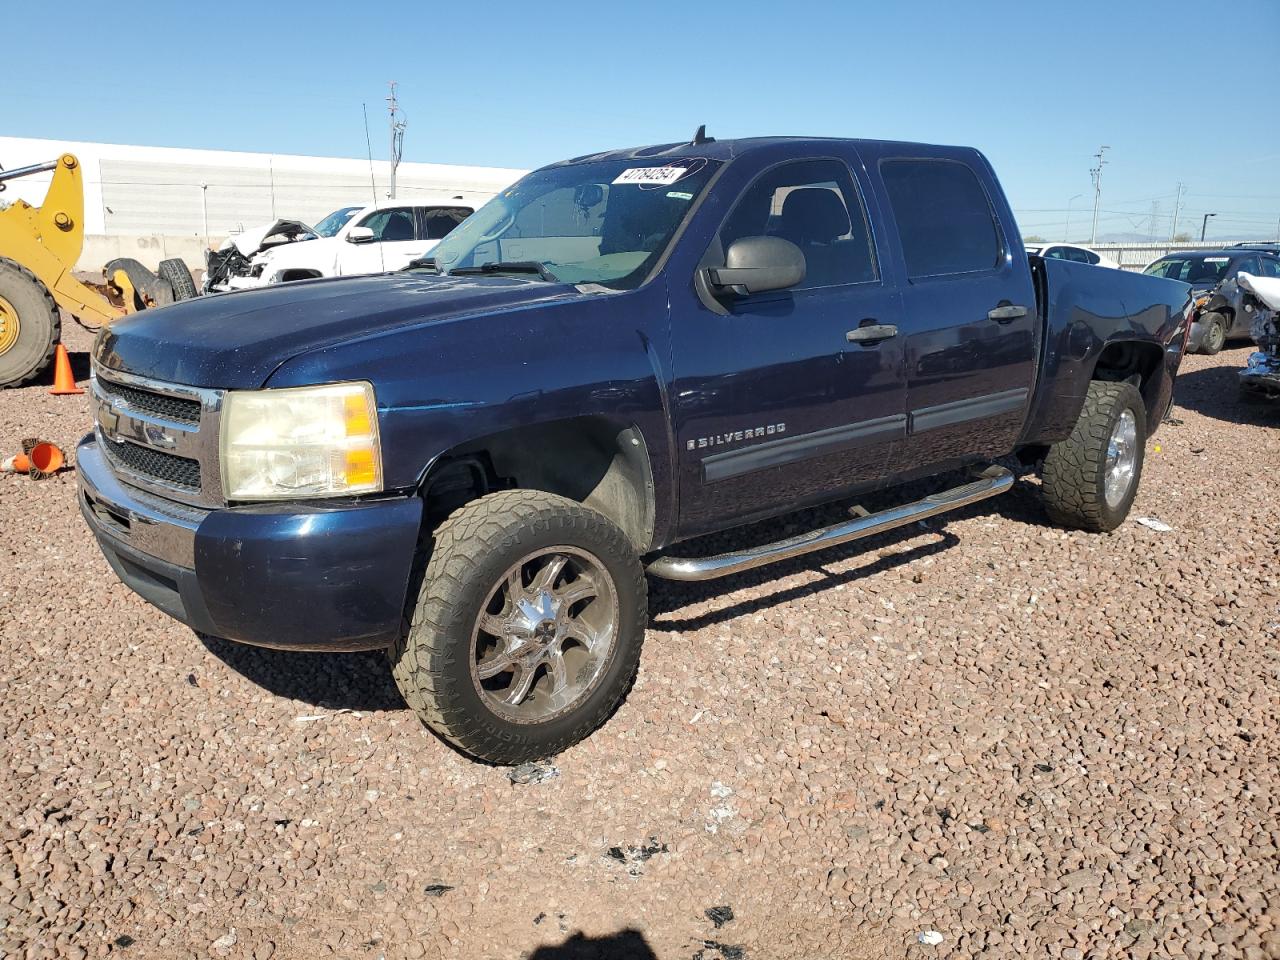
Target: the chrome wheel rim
(1122, 458)
(545, 636)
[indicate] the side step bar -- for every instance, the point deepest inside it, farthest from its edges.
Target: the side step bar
(990, 482)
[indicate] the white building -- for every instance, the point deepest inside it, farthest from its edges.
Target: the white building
(155, 202)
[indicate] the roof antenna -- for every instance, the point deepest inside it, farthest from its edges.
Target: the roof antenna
(701, 137)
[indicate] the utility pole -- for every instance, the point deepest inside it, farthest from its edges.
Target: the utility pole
(1096, 172)
(1151, 227)
(1177, 206)
(398, 123)
(1204, 223)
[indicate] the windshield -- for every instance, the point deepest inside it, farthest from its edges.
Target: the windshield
(606, 222)
(335, 221)
(1208, 269)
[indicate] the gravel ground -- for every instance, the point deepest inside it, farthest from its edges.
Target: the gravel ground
(1025, 741)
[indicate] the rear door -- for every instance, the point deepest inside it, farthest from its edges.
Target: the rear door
(775, 405)
(436, 223)
(971, 330)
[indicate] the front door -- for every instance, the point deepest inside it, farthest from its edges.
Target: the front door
(396, 241)
(775, 406)
(970, 324)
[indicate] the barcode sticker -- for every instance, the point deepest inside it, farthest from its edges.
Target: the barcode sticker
(656, 175)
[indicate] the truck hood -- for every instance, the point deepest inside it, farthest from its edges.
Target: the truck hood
(237, 340)
(255, 239)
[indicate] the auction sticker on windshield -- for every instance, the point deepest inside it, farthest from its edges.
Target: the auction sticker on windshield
(661, 176)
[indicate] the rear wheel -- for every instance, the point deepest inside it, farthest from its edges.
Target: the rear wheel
(1215, 334)
(178, 275)
(29, 325)
(1091, 478)
(527, 631)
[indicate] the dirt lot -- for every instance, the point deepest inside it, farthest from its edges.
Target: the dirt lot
(1033, 743)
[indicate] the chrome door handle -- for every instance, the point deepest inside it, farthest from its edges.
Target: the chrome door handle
(1006, 312)
(872, 333)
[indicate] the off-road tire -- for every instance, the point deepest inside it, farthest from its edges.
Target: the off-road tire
(178, 275)
(1074, 472)
(39, 325)
(470, 552)
(1215, 334)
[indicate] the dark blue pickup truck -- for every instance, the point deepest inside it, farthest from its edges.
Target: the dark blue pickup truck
(474, 463)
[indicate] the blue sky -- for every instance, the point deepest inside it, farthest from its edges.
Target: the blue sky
(1038, 87)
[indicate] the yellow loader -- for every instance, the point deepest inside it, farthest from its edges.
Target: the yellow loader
(39, 247)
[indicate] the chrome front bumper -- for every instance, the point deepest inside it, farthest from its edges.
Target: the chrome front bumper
(158, 528)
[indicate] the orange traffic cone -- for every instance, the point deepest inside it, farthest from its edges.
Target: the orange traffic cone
(43, 458)
(19, 463)
(64, 380)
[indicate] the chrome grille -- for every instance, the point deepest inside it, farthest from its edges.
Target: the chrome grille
(160, 437)
(165, 467)
(175, 409)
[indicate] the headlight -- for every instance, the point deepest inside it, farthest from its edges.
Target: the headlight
(300, 442)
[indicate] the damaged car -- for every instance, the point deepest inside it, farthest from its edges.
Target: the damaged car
(1261, 374)
(375, 238)
(1218, 298)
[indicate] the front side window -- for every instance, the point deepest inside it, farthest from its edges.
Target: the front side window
(1249, 265)
(944, 217)
(607, 222)
(1056, 253)
(1270, 267)
(815, 205)
(391, 226)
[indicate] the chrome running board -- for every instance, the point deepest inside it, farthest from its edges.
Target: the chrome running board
(990, 482)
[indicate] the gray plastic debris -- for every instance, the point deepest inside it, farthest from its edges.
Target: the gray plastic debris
(1159, 526)
(533, 773)
(930, 938)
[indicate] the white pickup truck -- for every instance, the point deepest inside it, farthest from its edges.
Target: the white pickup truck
(375, 238)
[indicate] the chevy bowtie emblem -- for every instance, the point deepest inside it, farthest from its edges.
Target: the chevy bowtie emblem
(109, 420)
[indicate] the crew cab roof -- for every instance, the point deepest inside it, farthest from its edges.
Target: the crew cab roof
(728, 149)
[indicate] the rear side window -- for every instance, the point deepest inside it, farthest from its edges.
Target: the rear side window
(440, 221)
(944, 217)
(1270, 268)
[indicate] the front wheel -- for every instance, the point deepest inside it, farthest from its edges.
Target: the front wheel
(527, 630)
(1091, 478)
(1215, 334)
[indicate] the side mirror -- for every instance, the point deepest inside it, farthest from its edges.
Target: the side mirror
(756, 264)
(360, 235)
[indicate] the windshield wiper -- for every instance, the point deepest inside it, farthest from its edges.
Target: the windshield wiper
(509, 266)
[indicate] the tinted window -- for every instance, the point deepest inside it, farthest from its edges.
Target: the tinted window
(440, 221)
(1249, 265)
(944, 217)
(815, 205)
(1087, 257)
(390, 226)
(1191, 269)
(1056, 253)
(1270, 267)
